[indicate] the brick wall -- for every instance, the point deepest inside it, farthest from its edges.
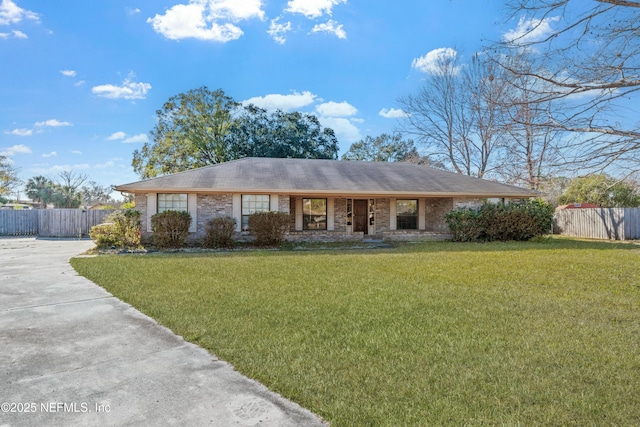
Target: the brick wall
(435, 210)
(211, 206)
(382, 216)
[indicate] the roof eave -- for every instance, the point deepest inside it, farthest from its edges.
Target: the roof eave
(340, 192)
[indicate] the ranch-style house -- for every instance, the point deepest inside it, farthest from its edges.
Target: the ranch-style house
(327, 200)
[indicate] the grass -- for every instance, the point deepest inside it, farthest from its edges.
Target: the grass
(544, 333)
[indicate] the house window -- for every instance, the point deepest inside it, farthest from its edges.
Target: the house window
(407, 214)
(253, 203)
(314, 214)
(172, 202)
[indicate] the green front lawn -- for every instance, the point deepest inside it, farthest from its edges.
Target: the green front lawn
(423, 334)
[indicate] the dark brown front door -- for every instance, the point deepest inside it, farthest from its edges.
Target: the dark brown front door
(360, 215)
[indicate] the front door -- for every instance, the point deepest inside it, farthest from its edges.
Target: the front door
(360, 215)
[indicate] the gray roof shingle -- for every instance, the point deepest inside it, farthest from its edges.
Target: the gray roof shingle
(311, 176)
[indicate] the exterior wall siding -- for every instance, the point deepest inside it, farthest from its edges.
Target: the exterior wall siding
(382, 218)
(435, 210)
(213, 205)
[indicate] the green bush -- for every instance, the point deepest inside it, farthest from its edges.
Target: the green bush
(464, 224)
(219, 232)
(501, 222)
(121, 230)
(268, 228)
(170, 229)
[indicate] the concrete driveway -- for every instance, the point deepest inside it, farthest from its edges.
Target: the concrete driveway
(72, 354)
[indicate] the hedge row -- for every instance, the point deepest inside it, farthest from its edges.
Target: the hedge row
(501, 222)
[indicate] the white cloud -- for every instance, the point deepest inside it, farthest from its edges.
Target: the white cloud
(79, 83)
(433, 61)
(530, 30)
(4, 35)
(127, 90)
(277, 30)
(51, 154)
(15, 149)
(330, 27)
(140, 138)
(133, 11)
(68, 73)
(392, 113)
(312, 8)
(116, 136)
(211, 20)
(76, 152)
(19, 34)
(107, 164)
(345, 130)
(10, 13)
(283, 102)
(53, 123)
(59, 168)
(20, 132)
(336, 109)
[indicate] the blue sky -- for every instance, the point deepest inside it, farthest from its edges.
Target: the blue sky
(80, 81)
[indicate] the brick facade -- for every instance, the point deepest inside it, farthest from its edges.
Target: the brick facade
(213, 205)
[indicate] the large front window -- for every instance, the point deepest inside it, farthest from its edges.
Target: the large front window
(407, 214)
(172, 202)
(314, 214)
(253, 203)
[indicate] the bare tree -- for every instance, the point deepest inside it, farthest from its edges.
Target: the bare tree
(456, 115)
(533, 147)
(589, 57)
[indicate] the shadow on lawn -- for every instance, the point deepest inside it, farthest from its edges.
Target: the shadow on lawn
(307, 249)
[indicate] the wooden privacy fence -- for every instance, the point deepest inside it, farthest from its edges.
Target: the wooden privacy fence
(50, 222)
(610, 223)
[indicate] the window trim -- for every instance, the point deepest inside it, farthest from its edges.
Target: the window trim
(244, 216)
(160, 196)
(326, 214)
(400, 223)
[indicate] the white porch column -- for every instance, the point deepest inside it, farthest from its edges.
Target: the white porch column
(330, 214)
(422, 223)
(237, 210)
(152, 208)
(393, 215)
(192, 207)
(273, 203)
(298, 213)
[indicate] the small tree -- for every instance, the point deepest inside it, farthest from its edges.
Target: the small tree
(268, 228)
(170, 228)
(603, 190)
(219, 232)
(121, 229)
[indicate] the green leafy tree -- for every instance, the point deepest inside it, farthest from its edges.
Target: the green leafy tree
(388, 148)
(190, 132)
(258, 133)
(383, 148)
(92, 193)
(40, 189)
(602, 190)
(68, 191)
(8, 176)
(200, 128)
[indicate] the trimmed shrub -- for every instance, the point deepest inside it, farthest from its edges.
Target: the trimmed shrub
(464, 224)
(219, 232)
(170, 229)
(268, 228)
(121, 230)
(517, 221)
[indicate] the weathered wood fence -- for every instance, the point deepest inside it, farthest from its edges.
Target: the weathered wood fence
(611, 223)
(50, 222)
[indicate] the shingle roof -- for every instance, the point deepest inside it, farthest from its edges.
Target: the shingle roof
(311, 176)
